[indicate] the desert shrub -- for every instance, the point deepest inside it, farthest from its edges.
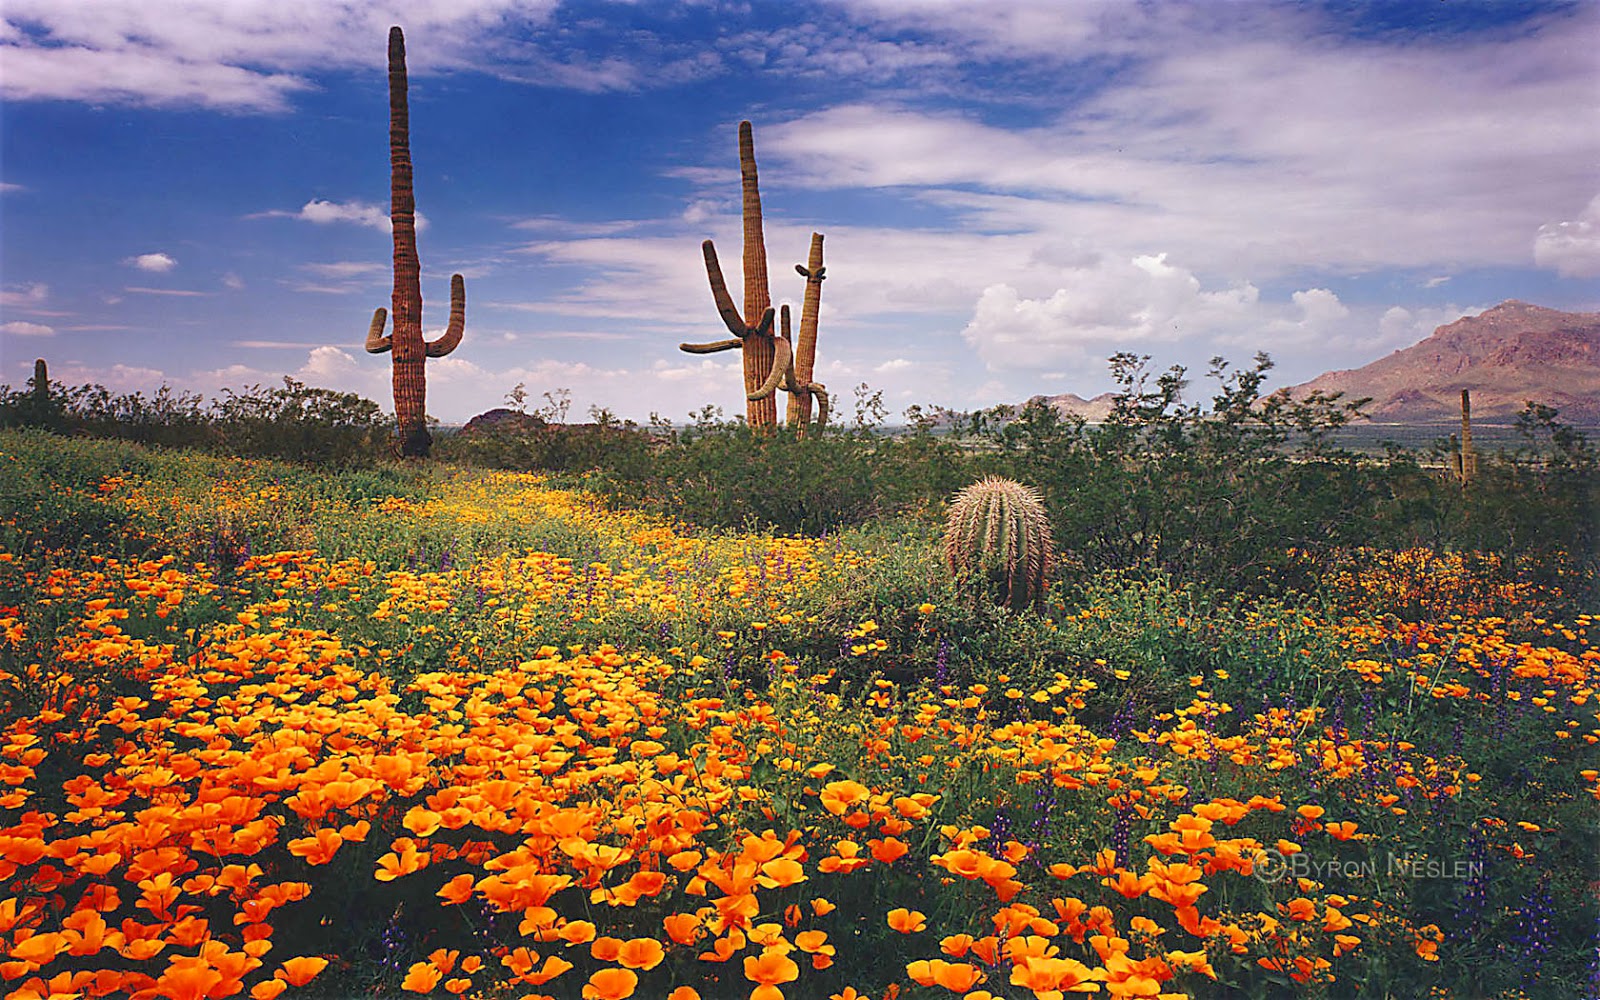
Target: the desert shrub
(292, 423)
(730, 476)
(299, 423)
(529, 442)
(1214, 493)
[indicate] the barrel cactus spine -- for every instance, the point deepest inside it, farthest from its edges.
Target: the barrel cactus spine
(406, 344)
(997, 538)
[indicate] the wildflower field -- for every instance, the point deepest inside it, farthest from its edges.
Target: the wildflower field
(444, 731)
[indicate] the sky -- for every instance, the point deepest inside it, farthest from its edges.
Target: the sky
(195, 192)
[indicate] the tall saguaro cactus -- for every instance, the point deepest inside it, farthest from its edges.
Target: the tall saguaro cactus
(406, 345)
(752, 329)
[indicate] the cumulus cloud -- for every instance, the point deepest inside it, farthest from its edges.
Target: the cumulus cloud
(1114, 303)
(1571, 249)
(1401, 327)
(155, 263)
(22, 328)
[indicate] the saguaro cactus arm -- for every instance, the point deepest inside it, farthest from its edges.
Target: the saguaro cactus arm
(782, 365)
(731, 317)
(451, 338)
(377, 341)
(713, 347)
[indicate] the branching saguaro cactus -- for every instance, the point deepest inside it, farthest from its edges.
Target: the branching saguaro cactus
(752, 329)
(408, 348)
(997, 537)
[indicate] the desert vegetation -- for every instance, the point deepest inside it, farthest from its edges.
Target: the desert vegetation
(1254, 716)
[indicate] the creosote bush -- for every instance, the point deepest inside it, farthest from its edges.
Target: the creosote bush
(293, 422)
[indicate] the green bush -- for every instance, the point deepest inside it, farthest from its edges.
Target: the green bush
(293, 423)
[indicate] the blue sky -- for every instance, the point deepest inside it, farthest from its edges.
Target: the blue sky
(196, 193)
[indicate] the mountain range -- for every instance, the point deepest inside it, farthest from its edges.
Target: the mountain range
(1507, 356)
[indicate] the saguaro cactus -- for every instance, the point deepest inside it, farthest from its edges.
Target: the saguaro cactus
(41, 385)
(408, 348)
(752, 329)
(1467, 459)
(997, 537)
(798, 411)
(784, 373)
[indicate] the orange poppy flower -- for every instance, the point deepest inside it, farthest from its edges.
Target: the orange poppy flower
(299, 971)
(641, 953)
(554, 965)
(769, 969)
(422, 977)
(684, 928)
(888, 850)
(611, 984)
(907, 921)
(838, 796)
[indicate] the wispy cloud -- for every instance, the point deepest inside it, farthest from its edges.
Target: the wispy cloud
(22, 328)
(176, 292)
(322, 212)
(345, 268)
(28, 297)
(241, 56)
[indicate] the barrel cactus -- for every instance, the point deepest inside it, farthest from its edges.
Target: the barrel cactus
(997, 538)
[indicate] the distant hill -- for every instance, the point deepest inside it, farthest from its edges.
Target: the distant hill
(1508, 355)
(1071, 404)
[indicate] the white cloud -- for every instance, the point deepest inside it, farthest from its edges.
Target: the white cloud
(1102, 308)
(22, 328)
(1571, 249)
(1401, 327)
(174, 292)
(322, 212)
(156, 263)
(25, 297)
(8, 188)
(232, 281)
(243, 55)
(1300, 155)
(345, 268)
